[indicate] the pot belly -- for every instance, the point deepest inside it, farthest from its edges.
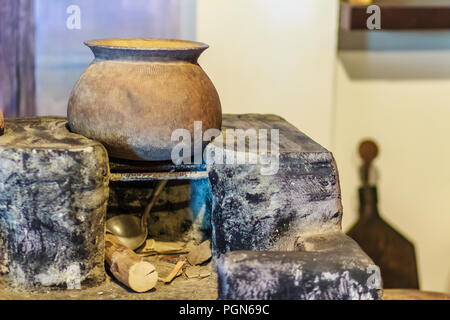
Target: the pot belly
(133, 107)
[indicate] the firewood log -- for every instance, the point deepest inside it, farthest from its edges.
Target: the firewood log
(128, 267)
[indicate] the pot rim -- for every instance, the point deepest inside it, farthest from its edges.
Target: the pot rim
(177, 45)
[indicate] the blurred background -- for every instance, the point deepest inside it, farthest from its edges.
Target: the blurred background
(335, 81)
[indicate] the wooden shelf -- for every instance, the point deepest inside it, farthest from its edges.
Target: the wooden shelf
(399, 15)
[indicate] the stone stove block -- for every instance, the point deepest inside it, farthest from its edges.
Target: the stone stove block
(53, 198)
(328, 267)
(252, 211)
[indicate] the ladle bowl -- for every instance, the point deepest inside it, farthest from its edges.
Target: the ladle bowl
(131, 230)
(127, 229)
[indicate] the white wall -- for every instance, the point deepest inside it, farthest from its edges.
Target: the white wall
(409, 118)
(272, 56)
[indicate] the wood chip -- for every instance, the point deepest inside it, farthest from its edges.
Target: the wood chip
(204, 274)
(148, 247)
(193, 272)
(147, 254)
(174, 273)
(200, 254)
(153, 247)
(171, 258)
(198, 272)
(163, 247)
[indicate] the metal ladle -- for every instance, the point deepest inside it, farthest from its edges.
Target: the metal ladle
(131, 230)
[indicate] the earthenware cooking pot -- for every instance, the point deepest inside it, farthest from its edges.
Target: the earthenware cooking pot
(136, 92)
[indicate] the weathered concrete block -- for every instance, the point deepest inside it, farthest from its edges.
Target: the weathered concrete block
(253, 210)
(328, 266)
(53, 198)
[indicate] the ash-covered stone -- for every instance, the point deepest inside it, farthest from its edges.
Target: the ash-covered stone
(53, 198)
(255, 211)
(276, 221)
(331, 266)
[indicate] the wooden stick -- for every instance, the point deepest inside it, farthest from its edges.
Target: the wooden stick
(174, 272)
(128, 267)
(2, 123)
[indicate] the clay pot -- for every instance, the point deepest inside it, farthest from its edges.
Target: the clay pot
(138, 91)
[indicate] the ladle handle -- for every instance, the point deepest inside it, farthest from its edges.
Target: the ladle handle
(159, 187)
